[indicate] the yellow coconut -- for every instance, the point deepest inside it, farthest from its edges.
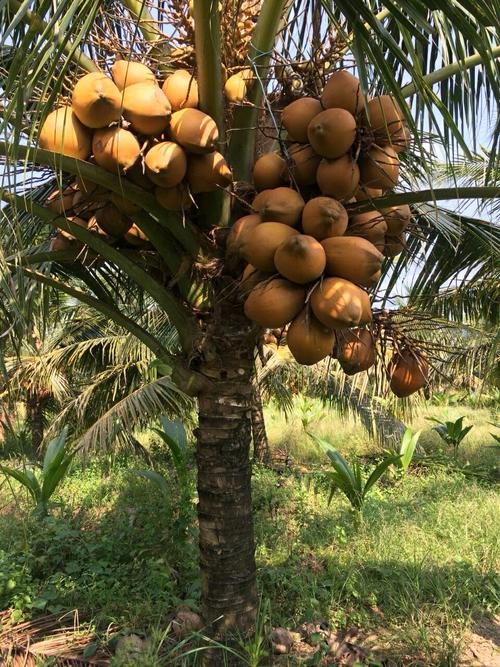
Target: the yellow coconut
(385, 119)
(194, 130)
(208, 172)
(397, 218)
(300, 258)
(338, 178)
(135, 237)
(343, 91)
(332, 132)
(308, 340)
(239, 231)
(303, 165)
(371, 226)
(123, 204)
(96, 100)
(166, 164)
(324, 217)
(237, 86)
(173, 199)
(355, 350)
(250, 278)
(126, 73)
(62, 132)
(407, 371)
(115, 149)
(279, 205)
(354, 259)
(112, 221)
(181, 89)
(146, 108)
(394, 245)
(274, 303)
(61, 202)
(268, 172)
(258, 248)
(296, 117)
(379, 167)
(339, 304)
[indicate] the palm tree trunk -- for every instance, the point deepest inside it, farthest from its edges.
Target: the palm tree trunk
(224, 475)
(259, 435)
(35, 405)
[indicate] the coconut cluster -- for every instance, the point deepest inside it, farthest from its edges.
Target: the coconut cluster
(310, 263)
(154, 136)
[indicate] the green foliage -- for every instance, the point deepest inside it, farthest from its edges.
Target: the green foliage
(452, 433)
(407, 449)
(350, 479)
(55, 466)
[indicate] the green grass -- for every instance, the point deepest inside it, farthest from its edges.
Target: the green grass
(415, 572)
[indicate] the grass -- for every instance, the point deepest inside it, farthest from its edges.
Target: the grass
(414, 573)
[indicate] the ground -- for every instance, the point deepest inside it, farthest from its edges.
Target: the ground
(415, 579)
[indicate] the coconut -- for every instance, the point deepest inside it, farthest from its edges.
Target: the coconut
(268, 171)
(308, 340)
(296, 117)
(355, 350)
(237, 86)
(181, 89)
(407, 371)
(137, 174)
(146, 108)
(371, 226)
(96, 101)
(340, 304)
(60, 242)
(124, 205)
(194, 130)
(88, 187)
(363, 193)
(62, 132)
(397, 218)
(61, 202)
(274, 303)
(81, 222)
(279, 205)
(115, 149)
(354, 259)
(166, 164)
(394, 245)
(304, 163)
(324, 217)
(258, 248)
(95, 227)
(400, 139)
(112, 221)
(385, 119)
(85, 206)
(239, 230)
(300, 258)
(338, 178)
(173, 199)
(136, 237)
(251, 277)
(208, 172)
(126, 73)
(379, 167)
(332, 132)
(343, 91)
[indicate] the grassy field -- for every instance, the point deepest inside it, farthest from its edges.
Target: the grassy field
(416, 574)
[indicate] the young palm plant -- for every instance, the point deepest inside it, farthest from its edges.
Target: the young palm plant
(47, 47)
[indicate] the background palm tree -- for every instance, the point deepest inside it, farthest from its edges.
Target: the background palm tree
(438, 59)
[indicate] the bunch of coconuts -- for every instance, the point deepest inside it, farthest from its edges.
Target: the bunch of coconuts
(129, 125)
(309, 263)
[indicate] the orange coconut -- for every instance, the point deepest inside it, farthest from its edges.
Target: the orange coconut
(303, 165)
(136, 237)
(332, 132)
(115, 149)
(340, 304)
(379, 167)
(181, 89)
(338, 178)
(275, 302)
(258, 248)
(123, 204)
(308, 340)
(297, 115)
(397, 218)
(371, 226)
(237, 86)
(394, 245)
(126, 73)
(324, 217)
(407, 371)
(355, 350)
(62, 132)
(239, 231)
(268, 171)
(166, 164)
(194, 130)
(300, 258)
(354, 259)
(173, 199)
(250, 278)
(96, 100)
(343, 91)
(208, 172)
(112, 220)
(146, 107)
(61, 202)
(279, 205)
(385, 119)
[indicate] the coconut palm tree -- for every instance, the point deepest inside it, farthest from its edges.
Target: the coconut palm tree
(438, 59)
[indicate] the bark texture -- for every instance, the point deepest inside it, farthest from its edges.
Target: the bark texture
(224, 474)
(259, 434)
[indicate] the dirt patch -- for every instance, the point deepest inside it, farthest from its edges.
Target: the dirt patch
(482, 644)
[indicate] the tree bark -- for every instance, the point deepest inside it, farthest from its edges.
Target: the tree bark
(35, 405)
(227, 561)
(259, 435)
